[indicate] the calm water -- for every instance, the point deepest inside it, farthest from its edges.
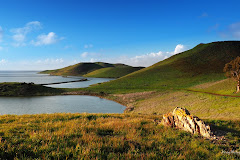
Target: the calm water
(54, 104)
(32, 76)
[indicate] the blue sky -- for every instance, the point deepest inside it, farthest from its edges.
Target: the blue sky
(49, 34)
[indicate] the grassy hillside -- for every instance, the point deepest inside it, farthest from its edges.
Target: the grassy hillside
(204, 63)
(108, 136)
(75, 70)
(97, 69)
(112, 72)
(26, 89)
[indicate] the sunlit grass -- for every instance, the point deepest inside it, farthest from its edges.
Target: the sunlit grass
(103, 136)
(200, 104)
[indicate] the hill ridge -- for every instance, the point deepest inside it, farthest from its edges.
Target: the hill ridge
(203, 63)
(96, 69)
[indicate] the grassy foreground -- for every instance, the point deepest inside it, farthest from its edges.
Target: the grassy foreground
(108, 136)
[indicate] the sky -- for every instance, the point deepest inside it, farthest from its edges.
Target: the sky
(51, 34)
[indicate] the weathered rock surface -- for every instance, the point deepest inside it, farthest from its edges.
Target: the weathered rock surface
(181, 118)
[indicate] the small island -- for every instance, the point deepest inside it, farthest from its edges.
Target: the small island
(14, 89)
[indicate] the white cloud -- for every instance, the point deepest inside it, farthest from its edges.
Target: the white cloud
(144, 59)
(3, 61)
(88, 46)
(84, 54)
(19, 37)
(20, 33)
(48, 39)
(94, 60)
(49, 61)
(29, 27)
(179, 48)
(90, 55)
(1, 34)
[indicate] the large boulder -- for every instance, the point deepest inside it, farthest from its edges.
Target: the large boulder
(181, 118)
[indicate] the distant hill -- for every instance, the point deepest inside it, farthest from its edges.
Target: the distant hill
(203, 63)
(97, 69)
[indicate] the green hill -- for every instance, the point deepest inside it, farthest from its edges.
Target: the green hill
(204, 63)
(98, 69)
(112, 72)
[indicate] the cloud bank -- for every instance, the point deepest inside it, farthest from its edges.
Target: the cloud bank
(141, 60)
(3, 61)
(151, 58)
(179, 48)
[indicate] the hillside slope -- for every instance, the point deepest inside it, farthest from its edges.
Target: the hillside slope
(112, 72)
(97, 69)
(204, 63)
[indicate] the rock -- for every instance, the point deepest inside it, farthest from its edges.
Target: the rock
(129, 109)
(181, 118)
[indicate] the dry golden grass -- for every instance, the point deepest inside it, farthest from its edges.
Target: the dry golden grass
(104, 136)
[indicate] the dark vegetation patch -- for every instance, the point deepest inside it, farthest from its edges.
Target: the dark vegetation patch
(105, 132)
(26, 89)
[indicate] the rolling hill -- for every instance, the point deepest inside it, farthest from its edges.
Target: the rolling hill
(204, 63)
(97, 69)
(112, 72)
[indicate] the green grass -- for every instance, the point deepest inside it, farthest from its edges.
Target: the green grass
(112, 72)
(203, 105)
(157, 78)
(107, 136)
(223, 87)
(202, 64)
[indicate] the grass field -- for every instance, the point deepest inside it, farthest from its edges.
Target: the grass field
(112, 72)
(204, 63)
(201, 104)
(107, 136)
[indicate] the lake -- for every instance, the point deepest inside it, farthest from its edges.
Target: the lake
(57, 104)
(54, 104)
(32, 76)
